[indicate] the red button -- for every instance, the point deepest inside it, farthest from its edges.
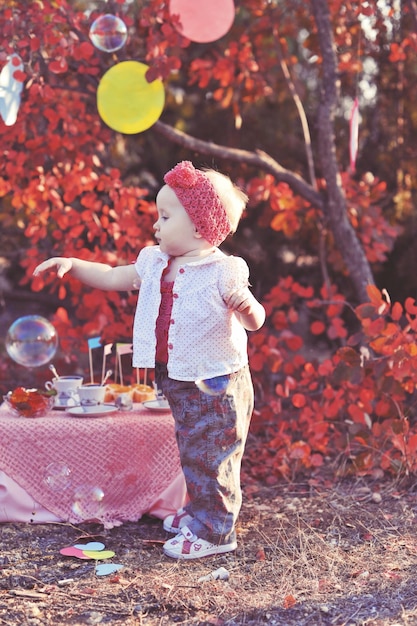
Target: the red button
(170, 346)
(182, 270)
(175, 295)
(172, 321)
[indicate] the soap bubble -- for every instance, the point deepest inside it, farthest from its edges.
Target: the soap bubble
(88, 502)
(57, 476)
(31, 341)
(108, 33)
(213, 386)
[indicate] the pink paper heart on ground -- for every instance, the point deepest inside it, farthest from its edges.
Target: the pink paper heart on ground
(72, 551)
(92, 545)
(104, 569)
(98, 556)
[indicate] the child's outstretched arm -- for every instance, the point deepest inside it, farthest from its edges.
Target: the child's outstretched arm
(98, 275)
(250, 312)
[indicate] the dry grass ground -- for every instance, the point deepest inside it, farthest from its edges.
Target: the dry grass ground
(339, 556)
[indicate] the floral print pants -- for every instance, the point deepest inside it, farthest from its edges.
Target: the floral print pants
(211, 432)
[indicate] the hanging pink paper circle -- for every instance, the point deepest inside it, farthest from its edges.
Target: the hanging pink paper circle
(203, 22)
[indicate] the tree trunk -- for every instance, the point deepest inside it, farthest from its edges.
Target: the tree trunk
(334, 201)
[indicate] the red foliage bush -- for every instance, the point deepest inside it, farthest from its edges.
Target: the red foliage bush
(354, 408)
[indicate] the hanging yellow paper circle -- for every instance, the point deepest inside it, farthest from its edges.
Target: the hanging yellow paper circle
(126, 102)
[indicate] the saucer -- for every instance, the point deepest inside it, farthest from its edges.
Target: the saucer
(157, 405)
(60, 405)
(99, 410)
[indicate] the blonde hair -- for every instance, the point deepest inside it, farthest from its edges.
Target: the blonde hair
(233, 199)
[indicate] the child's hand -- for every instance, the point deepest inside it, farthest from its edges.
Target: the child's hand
(240, 300)
(62, 264)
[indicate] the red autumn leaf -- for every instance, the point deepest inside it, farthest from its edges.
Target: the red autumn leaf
(396, 311)
(257, 362)
(375, 296)
(399, 442)
(325, 368)
(366, 311)
(115, 579)
(337, 328)
(383, 407)
(375, 328)
(317, 460)
(356, 413)
(390, 330)
(397, 53)
(88, 591)
(19, 76)
(290, 383)
(62, 315)
(300, 450)
(412, 444)
(289, 601)
(317, 328)
(299, 400)
(260, 554)
(59, 66)
(294, 343)
(84, 51)
(410, 306)
(35, 44)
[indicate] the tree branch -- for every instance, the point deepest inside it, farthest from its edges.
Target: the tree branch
(257, 159)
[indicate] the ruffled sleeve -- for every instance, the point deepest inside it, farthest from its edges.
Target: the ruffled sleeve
(150, 261)
(234, 275)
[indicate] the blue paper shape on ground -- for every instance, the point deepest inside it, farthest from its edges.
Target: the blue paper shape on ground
(104, 569)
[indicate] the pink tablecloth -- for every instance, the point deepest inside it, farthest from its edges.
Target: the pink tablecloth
(109, 469)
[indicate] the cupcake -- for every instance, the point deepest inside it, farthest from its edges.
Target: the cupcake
(113, 391)
(143, 393)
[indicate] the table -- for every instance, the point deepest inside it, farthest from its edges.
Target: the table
(110, 469)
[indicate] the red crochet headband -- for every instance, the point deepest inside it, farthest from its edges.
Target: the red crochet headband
(199, 198)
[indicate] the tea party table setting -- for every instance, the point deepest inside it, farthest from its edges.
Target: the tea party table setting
(75, 452)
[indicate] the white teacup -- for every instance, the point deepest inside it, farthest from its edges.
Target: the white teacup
(66, 388)
(91, 395)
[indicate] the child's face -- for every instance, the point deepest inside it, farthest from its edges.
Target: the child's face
(174, 230)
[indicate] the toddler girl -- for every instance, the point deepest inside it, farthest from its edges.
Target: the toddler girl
(193, 310)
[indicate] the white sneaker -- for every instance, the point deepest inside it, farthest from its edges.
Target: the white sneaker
(174, 523)
(186, 545)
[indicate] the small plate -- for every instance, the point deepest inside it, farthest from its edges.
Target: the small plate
(157, 405)
(63, 405)
(92, 411)
(59, 406)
